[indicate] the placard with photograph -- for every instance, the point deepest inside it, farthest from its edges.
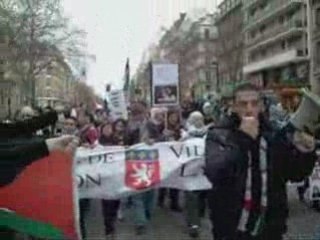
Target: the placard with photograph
(165, 84)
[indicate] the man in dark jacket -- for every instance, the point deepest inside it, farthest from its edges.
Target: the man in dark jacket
(249, 165)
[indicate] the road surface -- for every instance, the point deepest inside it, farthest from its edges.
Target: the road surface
(166, 225)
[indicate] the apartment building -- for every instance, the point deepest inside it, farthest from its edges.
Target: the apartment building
(11, 97)
(229, 23)
(276, 42)
(316, 38)
(190, 42)
(54, 85)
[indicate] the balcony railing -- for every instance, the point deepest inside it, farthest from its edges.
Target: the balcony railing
(277, 60)
(275, 7)
(296, 24)
(249, 3)
(316, 32)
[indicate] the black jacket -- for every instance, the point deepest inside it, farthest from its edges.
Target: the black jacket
(153, 131)
(17, 150)
(227, 165)
(24, 128)
(16, 155)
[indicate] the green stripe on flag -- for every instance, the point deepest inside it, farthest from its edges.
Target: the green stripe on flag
(30, 227)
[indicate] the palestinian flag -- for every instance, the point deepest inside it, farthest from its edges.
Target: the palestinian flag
(39, 201)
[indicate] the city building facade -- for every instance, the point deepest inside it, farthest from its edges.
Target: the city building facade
(276, 42)
(229, 22)
(201, 64)
(316, 39)
(191, 42)
(54, 86)
(11, 96)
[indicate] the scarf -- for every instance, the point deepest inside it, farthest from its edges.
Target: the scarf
(193, 132)
(248, 199)
(197, 132)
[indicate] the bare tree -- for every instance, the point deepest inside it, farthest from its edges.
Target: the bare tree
(84, 94)
(39, 34)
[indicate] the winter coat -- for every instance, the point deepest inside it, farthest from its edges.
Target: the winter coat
(226, 154)
(26, 128)
(133, 132)
(18, 149)
(152, 131)
(16, 155)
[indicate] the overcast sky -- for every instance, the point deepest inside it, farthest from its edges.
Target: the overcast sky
(118, 29)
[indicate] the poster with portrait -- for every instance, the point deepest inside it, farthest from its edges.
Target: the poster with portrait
(165, 84)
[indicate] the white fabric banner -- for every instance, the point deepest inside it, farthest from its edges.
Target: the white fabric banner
(116, 172)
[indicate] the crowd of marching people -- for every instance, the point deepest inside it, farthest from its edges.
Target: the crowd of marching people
(248, 161)
(149, 126)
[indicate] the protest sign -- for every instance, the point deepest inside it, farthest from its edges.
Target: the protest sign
(117, 105)
(116, 172)
(165, 84)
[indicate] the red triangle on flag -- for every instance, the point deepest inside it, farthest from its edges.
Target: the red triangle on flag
(44, 192)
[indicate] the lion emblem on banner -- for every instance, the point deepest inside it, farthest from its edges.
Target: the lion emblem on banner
(142, 169)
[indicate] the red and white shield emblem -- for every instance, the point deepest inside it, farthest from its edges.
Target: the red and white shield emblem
(142, 169)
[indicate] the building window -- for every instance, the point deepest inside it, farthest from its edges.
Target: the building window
(262, 29)
(281, 19)
(208, 76)
(253, 12)
(264, 6)
(2, 38)
(207, 33)
(290, 15)
(318, 54)
(2, 98)
(252, 34)
(317, 19)
(208, 60)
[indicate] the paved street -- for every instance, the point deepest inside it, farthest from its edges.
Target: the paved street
(303, 224)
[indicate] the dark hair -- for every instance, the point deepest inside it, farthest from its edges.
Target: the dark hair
(90, 116)
(174, 111)
(106, 140)
(105, 124)
(245, 87)
(120, 120)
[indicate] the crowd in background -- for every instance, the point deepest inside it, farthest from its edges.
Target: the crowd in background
(144, 124)
(149, 125)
